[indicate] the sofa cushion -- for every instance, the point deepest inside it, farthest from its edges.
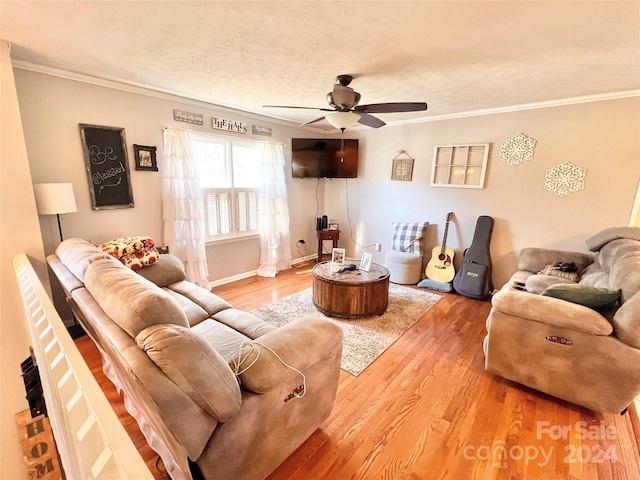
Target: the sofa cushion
(194, 312)
(133, 302)
(625, 275)
(594, 276)
(167, 270)
(77, 254)
(539, 283)
(192, 364)
(223, 339)
(581, 294)
(244, 322)
(607, 235)
(611, 252)
(409, 237)
(626, 322)
(210, 302)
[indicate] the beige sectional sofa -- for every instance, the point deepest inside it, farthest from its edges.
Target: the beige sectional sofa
(574, 338)
(217, 392)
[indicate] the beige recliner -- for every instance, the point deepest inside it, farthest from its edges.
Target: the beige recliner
(569, 325)
(217, 392)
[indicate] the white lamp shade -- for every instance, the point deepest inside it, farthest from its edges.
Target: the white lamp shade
(54, 198)
(342, 120)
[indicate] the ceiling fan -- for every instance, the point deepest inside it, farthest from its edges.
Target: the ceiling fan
(345, 109)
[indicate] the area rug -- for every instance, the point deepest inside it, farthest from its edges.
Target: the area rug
(366, 338)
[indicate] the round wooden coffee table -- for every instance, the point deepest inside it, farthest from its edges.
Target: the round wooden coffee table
(351, 294)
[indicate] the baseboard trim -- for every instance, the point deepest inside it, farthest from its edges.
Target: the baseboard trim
(253, 273)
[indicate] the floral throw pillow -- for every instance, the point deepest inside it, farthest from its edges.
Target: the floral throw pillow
(134, 252)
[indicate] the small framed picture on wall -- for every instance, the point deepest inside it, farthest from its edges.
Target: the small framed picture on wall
(145, 158)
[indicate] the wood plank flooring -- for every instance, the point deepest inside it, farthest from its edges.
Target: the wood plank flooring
(426, 409)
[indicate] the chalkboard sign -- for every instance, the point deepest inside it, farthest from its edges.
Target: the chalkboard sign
(105, 154)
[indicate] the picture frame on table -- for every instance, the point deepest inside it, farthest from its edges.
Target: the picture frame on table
(338, 256)
(145, 158)
(365, 261)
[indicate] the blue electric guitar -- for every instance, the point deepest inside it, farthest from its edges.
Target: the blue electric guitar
(440, 266)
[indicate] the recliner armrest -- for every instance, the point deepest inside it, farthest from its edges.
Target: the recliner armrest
(535, 259)
(552, 311)
(301, 344)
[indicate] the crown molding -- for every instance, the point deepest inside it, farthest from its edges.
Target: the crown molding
(140, 89)
(172, 96)
(525, 106)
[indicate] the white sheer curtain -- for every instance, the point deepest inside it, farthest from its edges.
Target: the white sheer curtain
(182, 214)
(275, 238)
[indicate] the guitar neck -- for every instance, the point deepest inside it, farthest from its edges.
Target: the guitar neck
(444, 238)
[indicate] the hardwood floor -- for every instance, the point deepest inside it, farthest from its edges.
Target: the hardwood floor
(426, 409)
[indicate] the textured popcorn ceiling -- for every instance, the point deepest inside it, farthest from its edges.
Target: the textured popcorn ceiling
(457, 56)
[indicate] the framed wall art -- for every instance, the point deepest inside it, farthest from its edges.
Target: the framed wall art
(402, 167)
(105, 155)
(145, 158)
(459, 166)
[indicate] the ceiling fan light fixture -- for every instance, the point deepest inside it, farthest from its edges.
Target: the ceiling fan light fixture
(342, 120)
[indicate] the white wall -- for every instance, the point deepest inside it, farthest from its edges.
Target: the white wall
(52, 108)
(599, 136)
(19, 232)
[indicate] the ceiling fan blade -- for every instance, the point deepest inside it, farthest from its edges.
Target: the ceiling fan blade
(370, 120)
(392, 107)
(312, 121)
(303, 108)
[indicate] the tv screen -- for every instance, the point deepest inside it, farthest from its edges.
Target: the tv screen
(322, 158)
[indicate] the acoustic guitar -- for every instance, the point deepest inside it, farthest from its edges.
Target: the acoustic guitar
(440, 266)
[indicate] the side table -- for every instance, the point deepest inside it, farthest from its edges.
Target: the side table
(323, 235)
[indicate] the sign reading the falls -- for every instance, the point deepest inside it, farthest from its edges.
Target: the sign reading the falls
(228, 125)
(105, 155)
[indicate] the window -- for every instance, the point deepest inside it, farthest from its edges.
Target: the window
(230, 178)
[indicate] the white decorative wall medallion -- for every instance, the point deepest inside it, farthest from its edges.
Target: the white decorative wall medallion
(517, 149)
(565, 179)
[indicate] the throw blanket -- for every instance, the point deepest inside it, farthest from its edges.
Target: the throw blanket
(134, 252)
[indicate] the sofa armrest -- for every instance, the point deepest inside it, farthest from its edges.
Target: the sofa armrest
(535, 259)
(300, 344)
(552, 311)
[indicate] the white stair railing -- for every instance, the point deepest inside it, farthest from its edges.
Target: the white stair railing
(91, 441)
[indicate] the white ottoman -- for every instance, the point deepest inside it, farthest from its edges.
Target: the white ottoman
(404, 267)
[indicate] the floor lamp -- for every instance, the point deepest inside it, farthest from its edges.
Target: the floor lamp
(55, 199)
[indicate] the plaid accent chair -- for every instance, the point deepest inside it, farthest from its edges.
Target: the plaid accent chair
(405, 259)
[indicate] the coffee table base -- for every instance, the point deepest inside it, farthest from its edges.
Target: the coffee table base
(348, 300)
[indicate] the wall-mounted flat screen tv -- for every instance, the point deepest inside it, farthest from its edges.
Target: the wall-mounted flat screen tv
(323, 158)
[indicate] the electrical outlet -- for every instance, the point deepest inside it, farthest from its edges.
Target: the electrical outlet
(377, 246)
(301, 241)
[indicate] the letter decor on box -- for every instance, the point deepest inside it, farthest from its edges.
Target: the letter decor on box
(105, 154)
